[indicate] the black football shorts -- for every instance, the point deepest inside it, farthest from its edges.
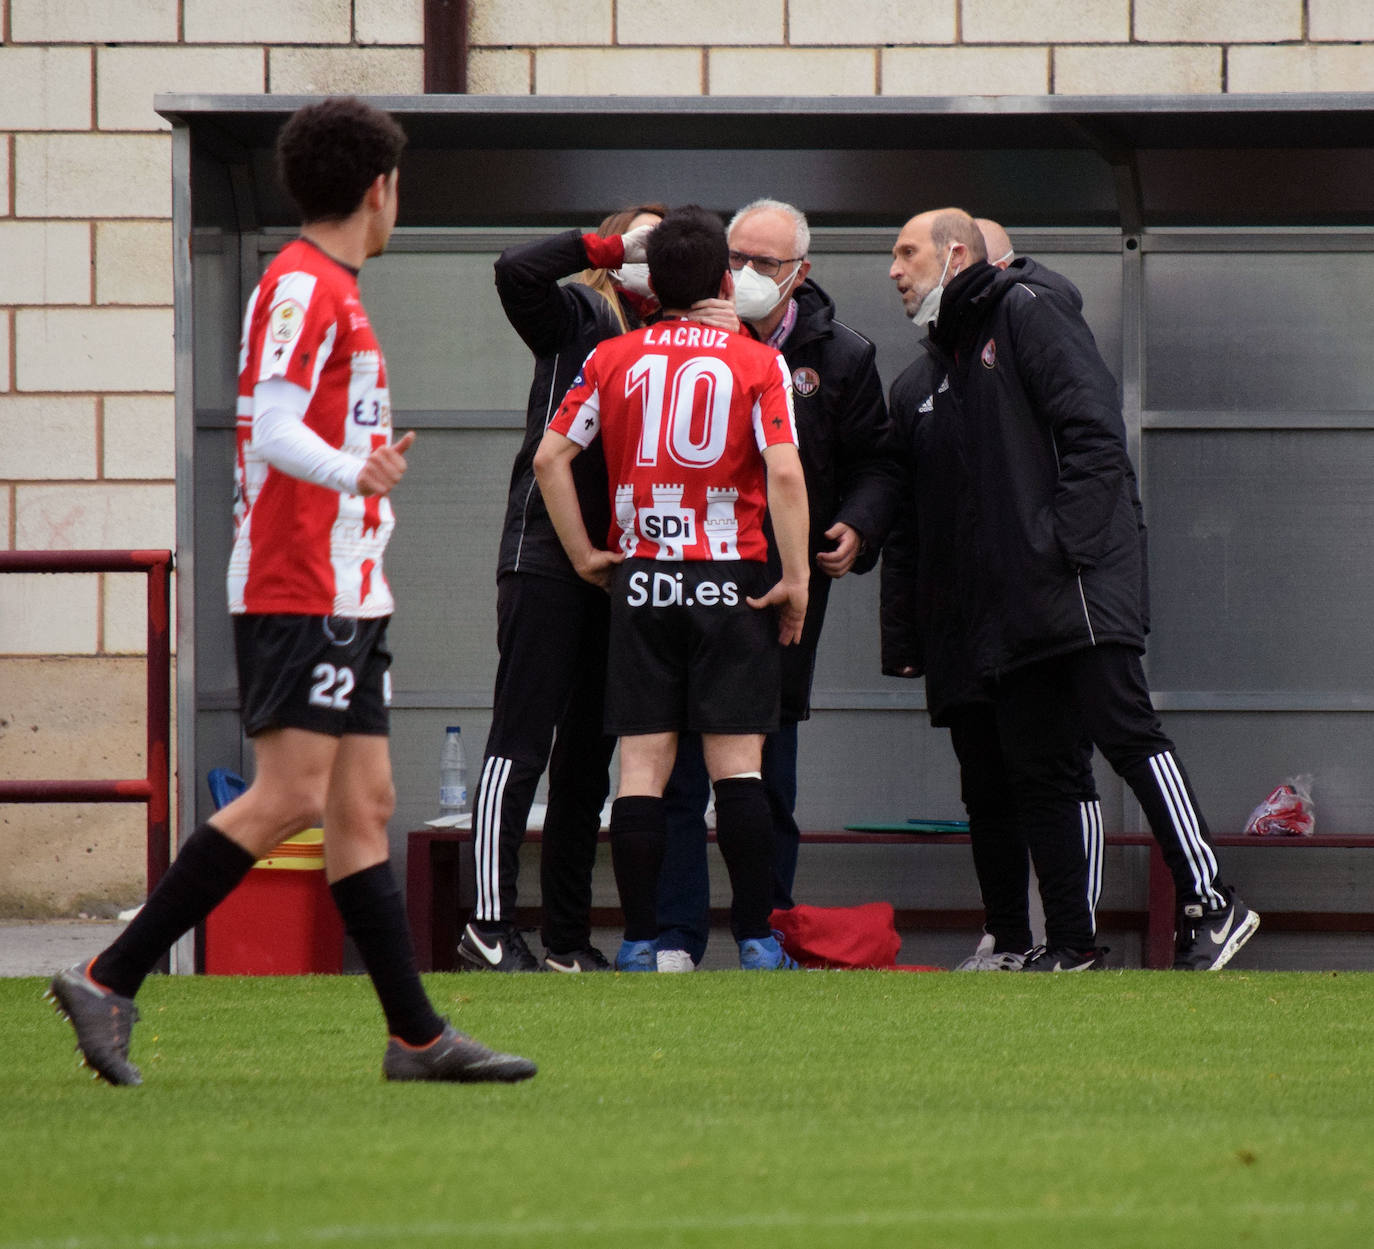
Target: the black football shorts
(687, 652)
(327, 674)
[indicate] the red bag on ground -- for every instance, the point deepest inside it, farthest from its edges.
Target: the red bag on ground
(840, 936)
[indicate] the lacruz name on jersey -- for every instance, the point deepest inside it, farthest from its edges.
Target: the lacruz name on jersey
(677, 334)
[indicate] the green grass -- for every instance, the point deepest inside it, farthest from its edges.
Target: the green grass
(723, 1109)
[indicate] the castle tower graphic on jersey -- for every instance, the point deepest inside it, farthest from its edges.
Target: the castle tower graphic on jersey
(722, 526)
(684, 413)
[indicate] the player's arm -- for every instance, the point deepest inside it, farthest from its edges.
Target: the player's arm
(791, 525)
(553, 470)
(282, 437)
(288, 444)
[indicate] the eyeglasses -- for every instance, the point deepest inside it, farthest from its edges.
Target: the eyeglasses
(768, 266)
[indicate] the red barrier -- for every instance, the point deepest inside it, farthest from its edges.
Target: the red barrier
(152, 789)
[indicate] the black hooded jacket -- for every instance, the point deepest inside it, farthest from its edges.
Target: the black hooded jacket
(1049, 542)
(922, 617)
(849, 458)
(560, 324)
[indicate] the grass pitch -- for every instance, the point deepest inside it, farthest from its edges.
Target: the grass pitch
(719, 1109)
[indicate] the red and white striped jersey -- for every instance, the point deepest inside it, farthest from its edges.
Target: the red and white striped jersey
(302, 548)
(684, 413)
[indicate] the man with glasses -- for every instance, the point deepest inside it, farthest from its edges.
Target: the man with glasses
(852, 485)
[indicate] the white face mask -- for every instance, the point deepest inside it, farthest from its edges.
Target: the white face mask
(929, 311)
(634, 278)
(755, 295)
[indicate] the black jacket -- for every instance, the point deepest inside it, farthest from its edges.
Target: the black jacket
(561, 325)
(1052, 554)
(922, 617)
(849, 458)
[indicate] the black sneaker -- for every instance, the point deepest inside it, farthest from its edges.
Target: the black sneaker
(1043, 959)
(455, 1056)
(1207, 940)
(103, 1020)
(499, 947)
(589, 959)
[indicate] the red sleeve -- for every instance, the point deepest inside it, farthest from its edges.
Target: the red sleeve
(604, 253)
(296, 325)
(582, 394)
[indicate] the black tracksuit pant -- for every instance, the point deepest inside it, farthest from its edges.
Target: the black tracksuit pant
(551, 679)
(1104, 689)
(1061, 829)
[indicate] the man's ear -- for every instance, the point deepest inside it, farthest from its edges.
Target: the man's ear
(375, 194)
(727, 286)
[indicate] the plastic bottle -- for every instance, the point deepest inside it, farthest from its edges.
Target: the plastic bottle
(453, 773)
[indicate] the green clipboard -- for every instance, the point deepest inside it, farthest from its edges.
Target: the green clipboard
(910, 826)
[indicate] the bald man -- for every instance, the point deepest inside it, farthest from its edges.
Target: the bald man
(924, 632)
(1049, 571)
(996, 241)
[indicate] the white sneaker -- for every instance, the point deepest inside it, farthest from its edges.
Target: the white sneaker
(675, 960)
(984, 958)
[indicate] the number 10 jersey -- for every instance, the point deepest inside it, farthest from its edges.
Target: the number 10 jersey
(684, 413)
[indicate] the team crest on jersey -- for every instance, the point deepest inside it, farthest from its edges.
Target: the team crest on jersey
(806, 382)
(989, 356)
(286, 321)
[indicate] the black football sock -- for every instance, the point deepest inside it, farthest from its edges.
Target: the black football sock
(638, 831)
(204, 873)
(744, 832)
(375, 918)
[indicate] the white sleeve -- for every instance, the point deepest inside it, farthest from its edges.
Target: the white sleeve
(288, 444)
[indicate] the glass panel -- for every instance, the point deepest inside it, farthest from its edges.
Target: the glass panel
(448, 345)
(1269, 332)
(1259, 547)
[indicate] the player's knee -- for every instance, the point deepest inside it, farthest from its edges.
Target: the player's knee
(298, 806)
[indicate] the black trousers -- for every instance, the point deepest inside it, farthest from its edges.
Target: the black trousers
(546, 712)
(1008, 827)
(1104, 690)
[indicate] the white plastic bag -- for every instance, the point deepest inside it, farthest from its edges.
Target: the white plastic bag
(1287, 812)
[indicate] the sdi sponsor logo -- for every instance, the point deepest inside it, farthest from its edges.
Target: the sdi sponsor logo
(666, 589)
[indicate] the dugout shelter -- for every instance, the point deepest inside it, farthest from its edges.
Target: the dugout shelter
(1224, 246)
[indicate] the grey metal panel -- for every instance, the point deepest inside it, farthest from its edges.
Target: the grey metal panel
(215, 675)
(215, 270)
(447, 342)
(1235, 759)
(441, 564)
(1269, 331)
(1259, 554)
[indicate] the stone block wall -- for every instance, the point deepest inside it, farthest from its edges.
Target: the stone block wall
(86, 358)
(85, 242)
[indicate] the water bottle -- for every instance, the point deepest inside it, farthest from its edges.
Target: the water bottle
(453, 773)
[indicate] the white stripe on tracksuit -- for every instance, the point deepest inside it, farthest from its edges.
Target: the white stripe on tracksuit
(1090, 815)
(1187, 828)
(486, 838)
